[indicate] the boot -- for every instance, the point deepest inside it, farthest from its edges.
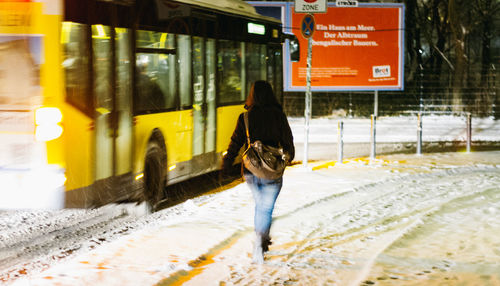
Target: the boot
(266, 241)
(258, 253)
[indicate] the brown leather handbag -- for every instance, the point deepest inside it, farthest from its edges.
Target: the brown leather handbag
(264, 161)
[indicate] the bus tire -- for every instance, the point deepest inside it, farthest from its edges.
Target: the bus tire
(154, 170)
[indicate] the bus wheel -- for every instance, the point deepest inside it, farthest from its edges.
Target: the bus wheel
(154, 169)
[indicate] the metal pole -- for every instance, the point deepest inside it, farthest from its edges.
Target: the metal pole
(421, 88)
(494, 95)
(350, 104)
(340, 142)
(374, 126)
(373, 136)
(308, 103)
(419, 133)
(469, 131)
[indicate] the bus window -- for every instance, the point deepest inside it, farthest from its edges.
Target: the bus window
(229, 69)
(271, 60)
(103, 92)
(256, 63)
(123, 95)
(278, 76)
(101, 42)
(156, 83)
(20, 59)
(210, 98)
(76, 65)
(274, 71)
(184, 51)
(150, 95)
(199, 96)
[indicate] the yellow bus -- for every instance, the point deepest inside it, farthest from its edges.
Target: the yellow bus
(112, 100)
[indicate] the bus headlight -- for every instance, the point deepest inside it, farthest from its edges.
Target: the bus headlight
(48, 132)
(48, 120)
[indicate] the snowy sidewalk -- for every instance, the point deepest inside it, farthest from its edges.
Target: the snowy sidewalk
(409, 218)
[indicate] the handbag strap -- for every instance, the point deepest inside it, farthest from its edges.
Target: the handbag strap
(245, 117)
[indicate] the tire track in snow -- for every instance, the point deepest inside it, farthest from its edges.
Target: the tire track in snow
(369, 201)
(36, 246)
(456, 239)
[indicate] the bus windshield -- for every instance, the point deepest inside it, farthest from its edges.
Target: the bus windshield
(20, 59)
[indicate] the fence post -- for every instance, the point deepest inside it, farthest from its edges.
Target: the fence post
(419, 133)
(469, 131)
(372, 138)
(421, 88)
(340, 142)
(350, 104)
(494, 95)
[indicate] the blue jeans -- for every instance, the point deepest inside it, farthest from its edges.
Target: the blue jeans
(265, 192)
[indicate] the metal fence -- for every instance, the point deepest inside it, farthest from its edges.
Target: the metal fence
(478, 102)
(338, 138)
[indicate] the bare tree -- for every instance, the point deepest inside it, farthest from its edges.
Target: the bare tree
(458, 39)
(487, 10)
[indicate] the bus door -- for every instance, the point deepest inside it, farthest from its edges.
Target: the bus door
(204, 105)
(113, 92)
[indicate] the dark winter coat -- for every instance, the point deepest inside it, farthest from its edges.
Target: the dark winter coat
(268, 124)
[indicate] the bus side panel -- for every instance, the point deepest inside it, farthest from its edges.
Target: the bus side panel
(51, 80)
(79, 142)
(226, 123)
(177, 129)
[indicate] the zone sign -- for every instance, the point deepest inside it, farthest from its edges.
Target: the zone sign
(310, 6)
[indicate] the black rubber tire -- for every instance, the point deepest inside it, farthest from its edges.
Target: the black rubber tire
(154, 170)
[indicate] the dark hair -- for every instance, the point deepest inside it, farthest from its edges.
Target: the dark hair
(261, 93)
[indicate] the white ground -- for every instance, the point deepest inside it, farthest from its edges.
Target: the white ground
(402, 219)
(397, 220)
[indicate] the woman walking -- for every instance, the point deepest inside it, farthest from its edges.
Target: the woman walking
(267, 123)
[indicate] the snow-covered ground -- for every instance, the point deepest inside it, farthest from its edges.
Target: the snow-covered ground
(401, 219)
(398, 220)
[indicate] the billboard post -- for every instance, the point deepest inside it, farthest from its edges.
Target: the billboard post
(374, 125)
(308, 104)
(307, 28)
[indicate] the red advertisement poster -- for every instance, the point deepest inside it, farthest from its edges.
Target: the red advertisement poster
(353, 48)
